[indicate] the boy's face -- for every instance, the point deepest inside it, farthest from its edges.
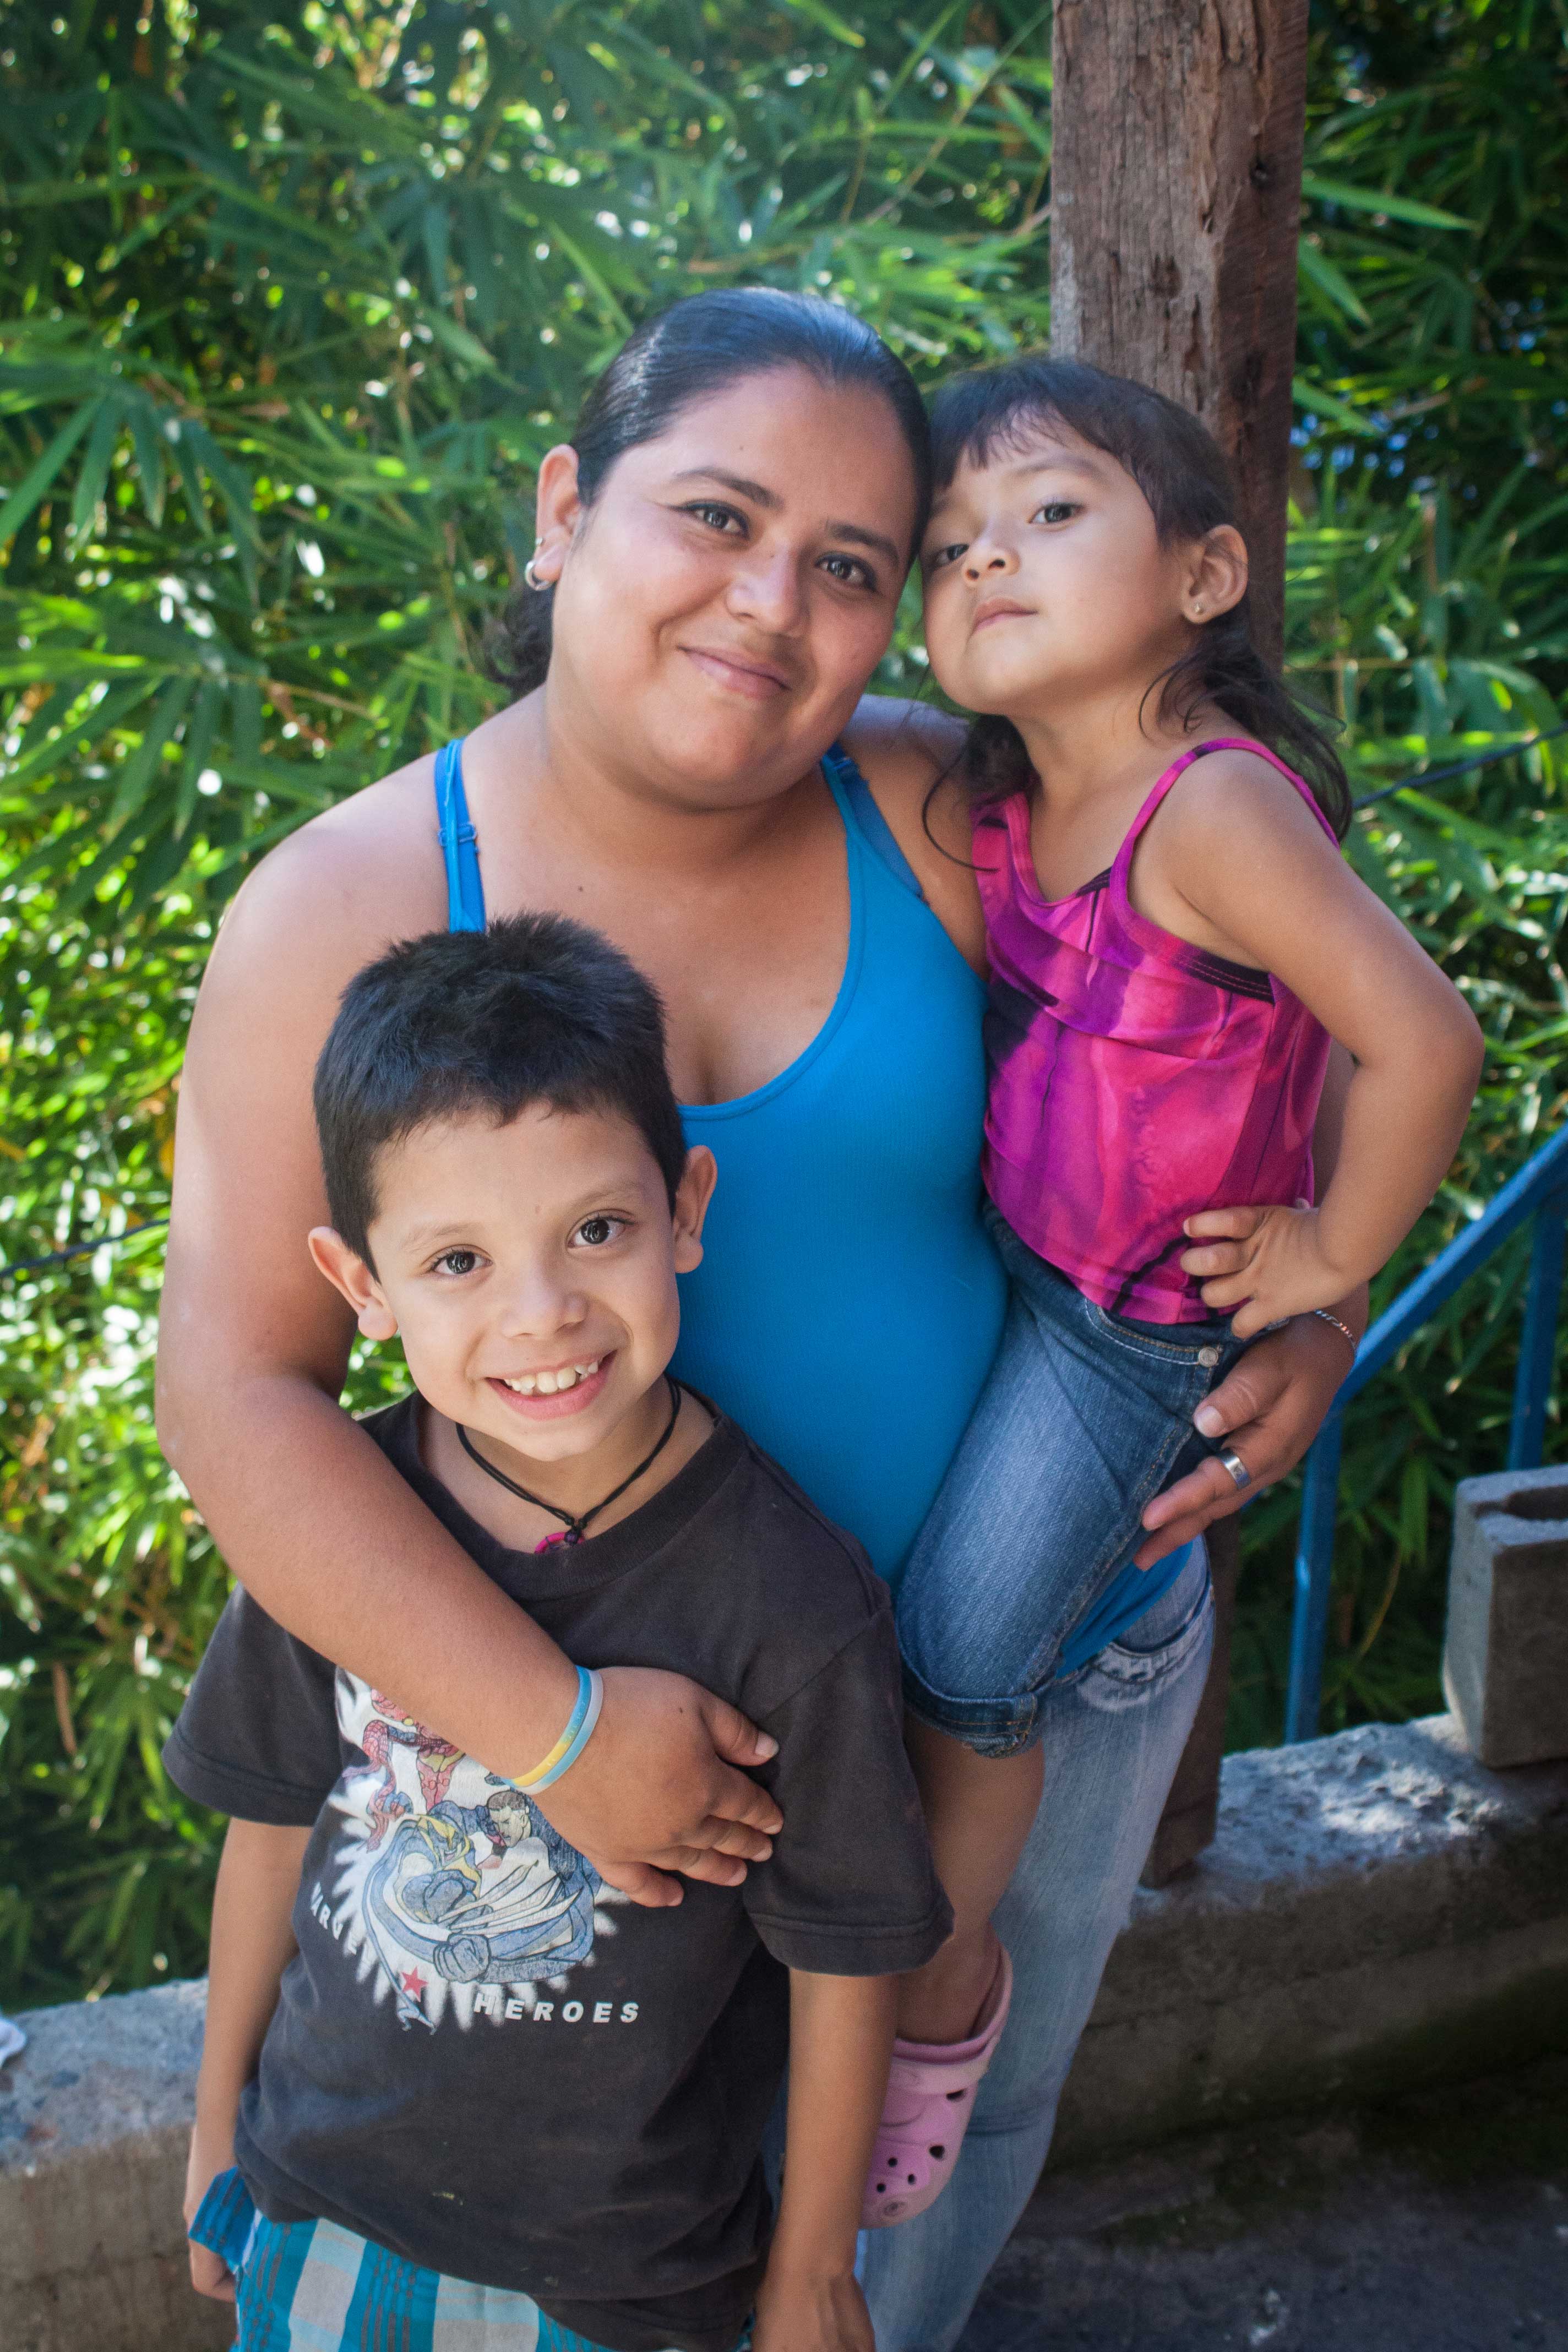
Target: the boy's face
(530, 1270)
(1045, 575)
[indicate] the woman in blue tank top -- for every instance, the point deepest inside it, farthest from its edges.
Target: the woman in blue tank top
(843, 1237)
(685, 767)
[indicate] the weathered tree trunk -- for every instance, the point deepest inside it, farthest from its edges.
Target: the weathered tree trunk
(1175, 192)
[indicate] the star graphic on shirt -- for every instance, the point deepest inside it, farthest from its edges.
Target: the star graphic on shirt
(413, 1984)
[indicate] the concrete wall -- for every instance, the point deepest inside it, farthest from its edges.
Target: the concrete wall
(94, 2116)
(1377, 1910)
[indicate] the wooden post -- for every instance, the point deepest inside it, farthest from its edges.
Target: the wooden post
(1175, 196)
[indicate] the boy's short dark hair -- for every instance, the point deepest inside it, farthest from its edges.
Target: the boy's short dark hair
(534, 1009)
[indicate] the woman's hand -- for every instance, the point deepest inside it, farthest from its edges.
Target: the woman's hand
(1268, 1409)
(212, 2152)
(655, 1790)
(811, 2311)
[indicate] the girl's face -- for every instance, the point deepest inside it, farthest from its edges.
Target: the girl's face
(721, 604)
(1045, 582)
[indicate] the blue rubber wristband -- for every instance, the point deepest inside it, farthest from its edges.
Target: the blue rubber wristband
(579, 1730)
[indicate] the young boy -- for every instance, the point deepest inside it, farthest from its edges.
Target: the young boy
(481, 2102)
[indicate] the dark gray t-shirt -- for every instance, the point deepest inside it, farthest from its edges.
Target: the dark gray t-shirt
(484, 2059)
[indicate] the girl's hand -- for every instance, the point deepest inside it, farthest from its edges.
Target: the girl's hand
(1268, 1409)
(212, 2152)
(1267, 1263)
(811, 2311)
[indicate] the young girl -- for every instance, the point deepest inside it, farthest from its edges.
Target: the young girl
(1175, 939)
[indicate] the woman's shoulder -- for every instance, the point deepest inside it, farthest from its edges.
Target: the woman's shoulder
(369, 865)
(908, 753)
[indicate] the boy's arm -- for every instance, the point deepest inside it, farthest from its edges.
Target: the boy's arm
(841, 2044)
(252, 1944)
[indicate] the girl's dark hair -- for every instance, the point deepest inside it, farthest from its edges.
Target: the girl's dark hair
(1180, 470)
(695, 349)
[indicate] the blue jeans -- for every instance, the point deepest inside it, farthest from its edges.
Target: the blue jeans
(1085, 1418)
(1113, 1735)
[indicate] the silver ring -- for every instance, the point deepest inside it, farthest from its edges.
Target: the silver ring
(537, 585)
(1236, 1467)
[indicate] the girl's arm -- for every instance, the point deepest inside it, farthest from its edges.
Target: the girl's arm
(1250, 860)
(840, 2047)
(311, 1516)
(252, 1944)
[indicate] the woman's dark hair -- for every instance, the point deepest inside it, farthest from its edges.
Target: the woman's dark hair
(697, 348)
(482, 1025)
(1180, 470)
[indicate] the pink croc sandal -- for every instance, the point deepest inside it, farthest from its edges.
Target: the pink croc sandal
(931, 2096)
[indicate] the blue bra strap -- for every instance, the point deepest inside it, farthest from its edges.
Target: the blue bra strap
(459, 843)
(871, 824)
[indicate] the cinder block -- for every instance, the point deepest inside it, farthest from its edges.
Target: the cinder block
(1505, 1656)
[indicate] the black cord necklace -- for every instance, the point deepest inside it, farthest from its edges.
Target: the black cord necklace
(576, 1525)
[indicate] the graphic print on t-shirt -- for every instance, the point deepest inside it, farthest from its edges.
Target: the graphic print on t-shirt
(447, 1882)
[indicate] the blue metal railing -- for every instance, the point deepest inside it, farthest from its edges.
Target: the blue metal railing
(1540, 1191)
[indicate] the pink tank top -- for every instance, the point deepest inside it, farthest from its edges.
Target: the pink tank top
(1134, 1078)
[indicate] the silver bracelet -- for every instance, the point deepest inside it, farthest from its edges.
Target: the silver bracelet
(1342, 1328)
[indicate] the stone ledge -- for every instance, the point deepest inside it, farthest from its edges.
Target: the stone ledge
(94, 2117)
(1378, 1911)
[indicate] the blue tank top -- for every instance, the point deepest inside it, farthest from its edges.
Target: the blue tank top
(850, 1303)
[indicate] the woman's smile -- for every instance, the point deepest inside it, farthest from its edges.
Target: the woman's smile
(758, 681)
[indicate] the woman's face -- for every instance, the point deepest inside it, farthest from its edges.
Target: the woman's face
(721, 604)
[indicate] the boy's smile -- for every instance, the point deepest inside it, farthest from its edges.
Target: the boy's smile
(530, 1269)
(556, 1389)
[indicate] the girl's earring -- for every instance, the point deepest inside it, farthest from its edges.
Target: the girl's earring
(529, 573)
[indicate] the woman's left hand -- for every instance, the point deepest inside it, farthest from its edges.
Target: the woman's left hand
(1268, 1409)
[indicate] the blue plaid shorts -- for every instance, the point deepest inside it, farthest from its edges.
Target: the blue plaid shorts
(310, 2287)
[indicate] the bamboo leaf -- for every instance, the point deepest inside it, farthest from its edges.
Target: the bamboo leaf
(36, 485)
(1378, 200)
(818, 13)
(1329, 279)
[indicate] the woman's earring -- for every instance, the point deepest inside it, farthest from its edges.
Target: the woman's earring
(530, 574)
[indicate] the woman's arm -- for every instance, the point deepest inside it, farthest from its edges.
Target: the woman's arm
(313, 1519)
(252, 1944)
(841, 2046)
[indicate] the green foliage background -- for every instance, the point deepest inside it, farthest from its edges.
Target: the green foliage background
(294, 297)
